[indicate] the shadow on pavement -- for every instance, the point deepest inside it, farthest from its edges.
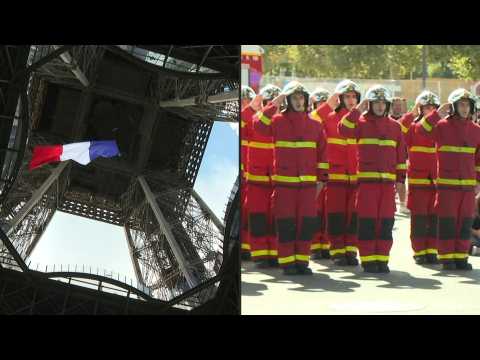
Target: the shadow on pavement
(252, 289)
(473, 275)
(399, 280)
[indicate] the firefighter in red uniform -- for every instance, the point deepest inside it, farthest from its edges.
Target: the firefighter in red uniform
(247, 95)
(398, 109)
(259, 169)
(298, 159)
(421, 174)
(341, 189)
(457, 139)
(381, 162)
(320, 246)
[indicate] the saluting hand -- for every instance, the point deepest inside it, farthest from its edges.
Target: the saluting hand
(278, 101)
(256, 103)
(333, 101)
(444, 109)
(363, 106)
(416, 109)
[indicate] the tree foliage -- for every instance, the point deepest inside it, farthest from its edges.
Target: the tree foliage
(373, 61)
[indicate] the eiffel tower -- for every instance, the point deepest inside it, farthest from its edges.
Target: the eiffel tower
(159, 102)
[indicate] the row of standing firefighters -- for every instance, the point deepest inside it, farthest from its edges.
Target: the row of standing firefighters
(319, 175)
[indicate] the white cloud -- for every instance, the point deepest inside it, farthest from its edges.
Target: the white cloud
(234, 127)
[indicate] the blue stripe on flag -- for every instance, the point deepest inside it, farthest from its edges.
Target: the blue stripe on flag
(106, 148)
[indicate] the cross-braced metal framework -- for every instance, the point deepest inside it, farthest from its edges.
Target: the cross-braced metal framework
(175, 240)
(174, 250)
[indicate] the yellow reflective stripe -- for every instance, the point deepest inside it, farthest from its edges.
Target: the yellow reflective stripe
(463, 182)
(263, 118)
(337, 251)
(257, 177)
(453, 256)
(402, 167)
(302, 257)
(323, 166)
(342, 177)
(424, 149)
(477, 168)
(260, 145)
(419, 181)
(426, 125)
(376, 175)
(419, 253)
(294, 179)
(296, 144)
(241, 166)
(369, 141)
(259, 253)
(351, 248)
(338, 141)
(325, 246)
(457, 149)
(382, 258)
(348, 123)
(314, 115)
(431, 251)
(246, 246)
(460, 255)
(273, 252)
(368, 258)
(244, 142)
(243, 123)
(404, 129)
(287, 259)
(315, 246)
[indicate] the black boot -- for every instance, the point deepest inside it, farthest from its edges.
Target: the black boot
(420, 259)
(432, 258)
(352, 260)
(290, 270)
(262, 264)
(449, 265)
(325, 254)
(463, 264)
(383, 267)
(273, 262)
(245, 256)
(340, 260)
(303, 269)
(370, 267)
(317, 255)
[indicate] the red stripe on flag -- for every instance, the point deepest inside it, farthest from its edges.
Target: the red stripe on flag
(43, 154)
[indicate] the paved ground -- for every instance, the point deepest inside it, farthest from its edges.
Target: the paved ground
(408, 289)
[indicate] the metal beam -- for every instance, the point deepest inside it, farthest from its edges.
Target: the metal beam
(131, 250)
(75, 69)
(165, 227)
(36, 197)
(203, 205)
(232, 95)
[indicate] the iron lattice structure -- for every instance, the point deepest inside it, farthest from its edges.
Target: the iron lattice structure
(161, 121)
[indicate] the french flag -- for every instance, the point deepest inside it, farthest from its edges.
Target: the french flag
(82, 152)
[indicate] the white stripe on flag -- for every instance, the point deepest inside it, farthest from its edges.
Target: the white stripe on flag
(78, 152)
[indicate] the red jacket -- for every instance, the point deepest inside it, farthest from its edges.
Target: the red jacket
(381, 148)
(259, 155)
(245, 117)
(422, 154)
(299, 156)
(341, 151)
(458, 149)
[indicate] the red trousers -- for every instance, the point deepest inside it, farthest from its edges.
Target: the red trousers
(376, 211)
(423, 220)
(320, 241)
(296, 221)
(262, 241)
(455, 209)
(341, 218)
(245, 243)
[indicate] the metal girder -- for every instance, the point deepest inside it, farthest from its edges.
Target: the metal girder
(133, 256)
(203, 205)
(37, 196)
(182, 262)
(74, 68)
(195, 100)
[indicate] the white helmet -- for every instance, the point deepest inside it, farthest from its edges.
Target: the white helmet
(247, 93)
(427, 97)
(270, 92)
(378, 92)
(345, 86)
(319, 94)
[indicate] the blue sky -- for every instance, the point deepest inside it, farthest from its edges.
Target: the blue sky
(74, 240)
